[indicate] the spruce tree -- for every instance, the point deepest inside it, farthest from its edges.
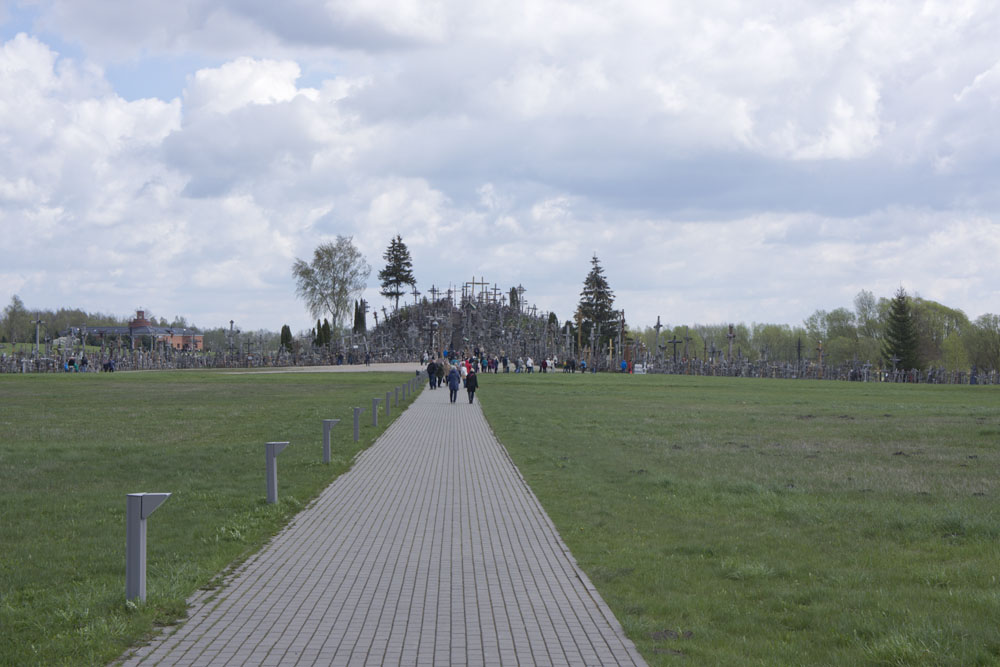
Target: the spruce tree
(900, 339)
(398, 270)
(327, 333)
(286, 337)
(360, 317)
(596, 307)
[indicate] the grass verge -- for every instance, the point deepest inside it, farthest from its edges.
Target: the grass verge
(73, 445)
(763, 522)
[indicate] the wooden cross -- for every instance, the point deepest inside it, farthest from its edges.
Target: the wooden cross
(675, 343)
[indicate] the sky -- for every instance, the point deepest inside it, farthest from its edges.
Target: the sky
(725, 161)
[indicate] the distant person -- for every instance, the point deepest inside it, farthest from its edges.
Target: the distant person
(432, 373)
(454, 381)
(471, 384)
(529, 365)
(624, 366)
(440, 372)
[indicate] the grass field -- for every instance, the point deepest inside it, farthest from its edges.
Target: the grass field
(71, 448)
(725, 521)
(769, 522)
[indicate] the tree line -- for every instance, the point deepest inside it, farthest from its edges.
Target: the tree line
(916, 332)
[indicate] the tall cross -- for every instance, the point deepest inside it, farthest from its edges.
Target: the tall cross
(434, 293)
(482, 283)
(415, 295)
(675, 343)
(658, 327)
(38, 322)
(730, 336)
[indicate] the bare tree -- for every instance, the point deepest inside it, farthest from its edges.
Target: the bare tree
(337, 275)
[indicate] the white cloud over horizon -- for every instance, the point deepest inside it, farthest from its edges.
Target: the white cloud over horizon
(749, 163)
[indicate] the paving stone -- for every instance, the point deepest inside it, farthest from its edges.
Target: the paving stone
(431, 550)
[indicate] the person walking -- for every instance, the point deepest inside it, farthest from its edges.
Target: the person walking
(432, 373)
(454, 381)
(471, 384)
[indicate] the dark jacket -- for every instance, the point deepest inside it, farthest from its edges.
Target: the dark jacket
(454, 379)
(471, 382)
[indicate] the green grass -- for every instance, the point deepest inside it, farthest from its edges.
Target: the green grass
(72, 447)
(770, 522)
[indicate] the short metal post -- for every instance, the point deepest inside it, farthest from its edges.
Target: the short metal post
(271, 451)
(357, 428)
(375, 411)
(327, 425)
(388, 404)
(138, 507)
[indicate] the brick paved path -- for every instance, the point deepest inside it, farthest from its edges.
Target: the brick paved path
(431, 551)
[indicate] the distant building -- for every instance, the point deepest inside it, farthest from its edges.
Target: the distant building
(179, 338)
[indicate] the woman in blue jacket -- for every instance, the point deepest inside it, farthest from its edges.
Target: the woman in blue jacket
(454, 380)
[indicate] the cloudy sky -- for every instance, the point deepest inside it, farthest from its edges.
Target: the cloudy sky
(726, 161)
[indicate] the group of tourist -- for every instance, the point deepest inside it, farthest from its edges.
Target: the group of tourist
(462, 373)
(439, 368)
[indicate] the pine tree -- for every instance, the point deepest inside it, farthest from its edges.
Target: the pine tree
(398, 270)
(596, 307)
(900, 339)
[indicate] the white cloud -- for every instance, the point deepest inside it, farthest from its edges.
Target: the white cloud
(721, 163)
(242, 82)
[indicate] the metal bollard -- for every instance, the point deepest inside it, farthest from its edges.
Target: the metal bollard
(388, 404)
(327, 425)
(138, 507)
(375, 411)
(271, 451)
(357, 428)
